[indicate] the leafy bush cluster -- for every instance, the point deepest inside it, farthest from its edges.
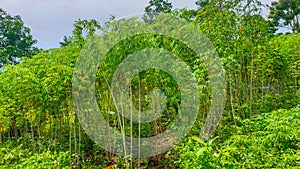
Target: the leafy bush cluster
(268, 140)
(17, 157)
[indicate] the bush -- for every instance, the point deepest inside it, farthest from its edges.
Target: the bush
(269, 140)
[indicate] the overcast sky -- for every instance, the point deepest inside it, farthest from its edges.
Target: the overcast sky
(50, 20)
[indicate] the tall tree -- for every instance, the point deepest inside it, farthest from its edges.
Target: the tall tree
(155, 7)
(84, 29)
(15, 39)
(202, 3)
(65, 42)
(286, 13)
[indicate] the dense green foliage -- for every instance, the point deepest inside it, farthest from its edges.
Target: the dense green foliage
(260, 125)
(155, 7)
(267, 140)
(286, 13)
(16, 40)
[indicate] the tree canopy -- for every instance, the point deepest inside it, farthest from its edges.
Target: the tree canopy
(286, 13)
(155, 7)
(15, 39)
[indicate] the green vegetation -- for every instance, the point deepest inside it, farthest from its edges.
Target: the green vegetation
(267, 140)
(16, 41)
(286, 13)
(260, 127)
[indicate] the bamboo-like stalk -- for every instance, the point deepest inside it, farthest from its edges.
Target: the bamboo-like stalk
(122, 125)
